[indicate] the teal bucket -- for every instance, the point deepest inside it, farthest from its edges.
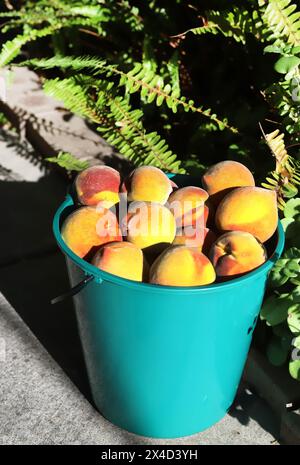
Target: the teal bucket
(164, 361)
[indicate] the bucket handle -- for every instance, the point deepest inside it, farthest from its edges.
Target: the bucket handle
(73, 291)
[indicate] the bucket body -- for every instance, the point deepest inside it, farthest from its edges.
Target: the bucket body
(164, 361)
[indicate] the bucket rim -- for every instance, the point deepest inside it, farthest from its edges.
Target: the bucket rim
(101, 275)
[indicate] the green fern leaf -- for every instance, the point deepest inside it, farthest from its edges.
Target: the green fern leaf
(283, 22)
(286, 175)
(12, 48)
(120, 125)
(69, 162)
(74, 96)
(235, 23)
(138, 79)
(209, 28)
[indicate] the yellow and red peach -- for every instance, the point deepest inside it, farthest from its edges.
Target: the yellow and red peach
(236, 253)
(122, 259)
(148, 224)
(182, 266)
(202, 238)
(250, 209)
(148, 184)
(187, 206)
(98, 184)
(220, 178)
(86, 228)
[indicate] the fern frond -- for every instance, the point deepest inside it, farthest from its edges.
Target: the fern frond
(283, 21)
(121, 126)
(90, 11)
(68, 161)
(155, 151)
(286, 176)
(51, 15)
(131, 138)
(71, 62)
(173, 69)
(285, 96)
(275, 141)
(129, 14)
(235, 23)
(209, 28)
(12, 48)
(74, 97)
(139, 79)
(45, 18)
(10, 14)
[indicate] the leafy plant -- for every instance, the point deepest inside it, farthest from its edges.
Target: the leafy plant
(281, 310)
(107, 98)
(286, 176)
(284, 22)
(235, 23)
(68, 161)
(142, 57)
(275, 22)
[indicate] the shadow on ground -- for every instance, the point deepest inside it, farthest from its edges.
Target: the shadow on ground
(248, 406)
(33, 271)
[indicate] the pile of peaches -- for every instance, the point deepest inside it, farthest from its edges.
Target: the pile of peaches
(146, 228)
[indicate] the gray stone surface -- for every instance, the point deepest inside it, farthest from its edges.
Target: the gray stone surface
(279, 389)
(46, 124)
(18, 161)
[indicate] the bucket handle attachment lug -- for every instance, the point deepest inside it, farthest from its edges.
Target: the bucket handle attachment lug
(74, 290)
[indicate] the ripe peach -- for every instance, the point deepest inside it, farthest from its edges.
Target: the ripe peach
(122, 259)
(237, 252)
(250, 209)
(219, 179)
(187, 206)
(202, 238)
(86, 228)
(96, 184)
(149, 224)
(182, 266)
(148, 184)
